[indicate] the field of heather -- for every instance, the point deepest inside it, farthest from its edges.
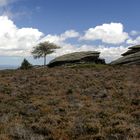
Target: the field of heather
(70, 103)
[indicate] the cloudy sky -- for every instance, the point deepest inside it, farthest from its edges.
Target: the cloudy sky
(108, 26)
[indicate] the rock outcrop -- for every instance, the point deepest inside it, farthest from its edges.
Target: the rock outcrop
(77, 58)
(132, 56)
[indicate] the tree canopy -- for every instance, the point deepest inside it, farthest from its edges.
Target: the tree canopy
(43, 49)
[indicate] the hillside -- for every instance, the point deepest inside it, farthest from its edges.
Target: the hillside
(72, 103)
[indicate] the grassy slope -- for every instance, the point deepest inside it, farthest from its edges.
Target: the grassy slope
(81, 103)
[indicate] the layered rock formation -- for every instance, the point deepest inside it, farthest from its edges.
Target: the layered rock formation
(76, 58)
(132, 56)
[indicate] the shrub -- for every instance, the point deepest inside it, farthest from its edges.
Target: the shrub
(70, 91)
(5, 89)
(25, 65)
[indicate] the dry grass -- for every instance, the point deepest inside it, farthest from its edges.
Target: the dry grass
(73, 103)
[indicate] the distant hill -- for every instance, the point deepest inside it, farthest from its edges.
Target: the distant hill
(3, 67)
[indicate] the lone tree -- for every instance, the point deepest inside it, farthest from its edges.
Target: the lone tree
(43, 49)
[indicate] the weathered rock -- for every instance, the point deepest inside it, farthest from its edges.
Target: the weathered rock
(129, 52)
(77, 57)
(128, 60)
(135, 47)
(132, 50)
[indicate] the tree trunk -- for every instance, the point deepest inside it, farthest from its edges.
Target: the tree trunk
(44, 60)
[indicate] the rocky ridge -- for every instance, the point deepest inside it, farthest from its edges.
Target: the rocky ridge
(131, 57)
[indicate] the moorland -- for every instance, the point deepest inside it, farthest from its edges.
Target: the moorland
(83, 102)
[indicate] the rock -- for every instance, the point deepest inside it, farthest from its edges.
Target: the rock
(132, 50)
(129, 52)
(77, 57)
(131, 57)
(135, 47)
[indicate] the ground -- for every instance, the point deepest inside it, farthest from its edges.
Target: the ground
(70, 103)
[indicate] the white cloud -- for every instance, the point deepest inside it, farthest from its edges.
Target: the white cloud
(14, 15)
(108, 33)
(69, 34)
(5, 2)
(109, 53)
(62, 37)
(134, 33)
(16, 41)
(135, 41)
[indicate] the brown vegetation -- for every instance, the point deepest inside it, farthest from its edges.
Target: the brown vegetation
(73, 103)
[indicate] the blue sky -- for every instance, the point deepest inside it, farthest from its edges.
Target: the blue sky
(73, 24)
(56, 16)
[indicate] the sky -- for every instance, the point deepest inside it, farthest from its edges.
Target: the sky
(107, 26)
